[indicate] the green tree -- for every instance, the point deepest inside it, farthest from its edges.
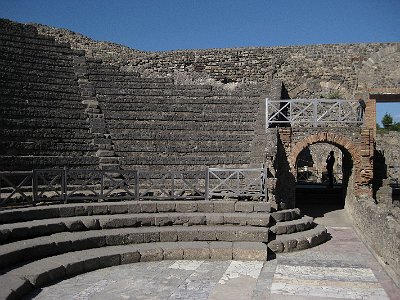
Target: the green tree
(395, 126)
(387, 120)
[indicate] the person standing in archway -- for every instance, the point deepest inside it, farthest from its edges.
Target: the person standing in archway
(330, 161)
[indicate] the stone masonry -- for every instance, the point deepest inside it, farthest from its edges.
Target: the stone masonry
(66, 100)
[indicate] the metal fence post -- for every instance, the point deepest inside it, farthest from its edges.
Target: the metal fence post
(34, 187)
(64, 184)
(315, 104)
(207, 184)
(101, 185)
(173, 184)
(137, 191)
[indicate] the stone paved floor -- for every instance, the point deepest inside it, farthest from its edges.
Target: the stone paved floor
(342, 268)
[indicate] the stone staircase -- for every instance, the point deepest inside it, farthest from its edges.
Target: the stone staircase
(41, 245)
(42, 116)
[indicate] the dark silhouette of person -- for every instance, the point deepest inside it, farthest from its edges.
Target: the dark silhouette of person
(330, 161)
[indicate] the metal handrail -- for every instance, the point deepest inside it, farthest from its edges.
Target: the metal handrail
(314, 112)
(236, 182)
(70, 185)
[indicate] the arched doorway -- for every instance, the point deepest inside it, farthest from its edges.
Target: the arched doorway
(314, 197)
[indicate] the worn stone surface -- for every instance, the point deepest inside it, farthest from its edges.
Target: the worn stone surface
(342, 268)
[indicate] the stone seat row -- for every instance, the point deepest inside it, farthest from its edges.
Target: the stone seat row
(37, 94)
(29, 162)
(181, 135)
(39, 86)
(158, 116)
(36, 71)
(27, 111)
(19, 102)
(149, 147)
(171, 143)
(10, 233)
(48, 243)
(36, 43)
(31, 229)
(45, 147)
(171, 106)
(78, 124)
(46, 133)
(19, 78)
(218, 127)
(177, 100)
(112, 208)
(15, 55)
(35, 64)
(114, 92)
(190, 159)
(22, 281)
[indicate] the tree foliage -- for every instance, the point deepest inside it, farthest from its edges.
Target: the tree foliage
(387, 120)
(388, 125)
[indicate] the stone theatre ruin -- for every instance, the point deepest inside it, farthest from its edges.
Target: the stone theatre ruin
(184, 154)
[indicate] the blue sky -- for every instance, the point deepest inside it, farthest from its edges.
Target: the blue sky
(156, 25)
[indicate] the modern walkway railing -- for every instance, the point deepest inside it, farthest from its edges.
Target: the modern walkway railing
(72, 185)
(314, 112)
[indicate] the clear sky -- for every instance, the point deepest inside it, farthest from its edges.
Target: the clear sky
(155, 25)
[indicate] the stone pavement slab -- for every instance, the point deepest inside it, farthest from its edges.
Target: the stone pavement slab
(341, 268)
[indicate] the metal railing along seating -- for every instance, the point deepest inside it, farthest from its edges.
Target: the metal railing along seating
(75, 185)
(314, 112)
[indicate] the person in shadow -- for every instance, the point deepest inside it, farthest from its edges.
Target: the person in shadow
(330, 161)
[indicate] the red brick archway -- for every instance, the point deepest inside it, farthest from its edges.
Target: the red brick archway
(361, 153)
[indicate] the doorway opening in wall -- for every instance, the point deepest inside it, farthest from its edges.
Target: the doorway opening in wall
(387, 160)
(314, 195)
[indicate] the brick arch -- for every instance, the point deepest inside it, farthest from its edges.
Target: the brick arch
(361, 175)
(341, 142)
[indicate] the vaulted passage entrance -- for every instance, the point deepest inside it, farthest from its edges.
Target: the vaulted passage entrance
(313, 194)
(304, 142)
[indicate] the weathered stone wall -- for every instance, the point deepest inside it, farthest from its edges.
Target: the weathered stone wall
(307, 71)
(42, 122)
(379, 226)
(60, 108)
(156, 124)
(388, 145)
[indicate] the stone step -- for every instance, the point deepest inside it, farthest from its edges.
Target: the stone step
(27, 250)
(296, 225)
(32, 229)
(109, 166)
(125, 207)
(109, 160)
(21, 281)
(299, 240)
(105, 153)
(286, 215)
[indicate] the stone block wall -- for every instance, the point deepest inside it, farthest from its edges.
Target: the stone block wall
(157, 124)
(307, 71)
(42, 118)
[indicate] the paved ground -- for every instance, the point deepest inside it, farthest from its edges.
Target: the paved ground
(342, 268)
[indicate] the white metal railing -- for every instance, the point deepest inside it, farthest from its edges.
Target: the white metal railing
(236, 182)
(74, 185)
(314, 112)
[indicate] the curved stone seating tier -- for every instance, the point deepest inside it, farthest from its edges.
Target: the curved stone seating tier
(23, 163)
(23, 280)
(182, 135)
(35, 43)
(44, 244)
(41, 97)
(178, 100)
(187, 125)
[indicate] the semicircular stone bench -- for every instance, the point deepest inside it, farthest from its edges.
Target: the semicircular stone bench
(44, 244)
